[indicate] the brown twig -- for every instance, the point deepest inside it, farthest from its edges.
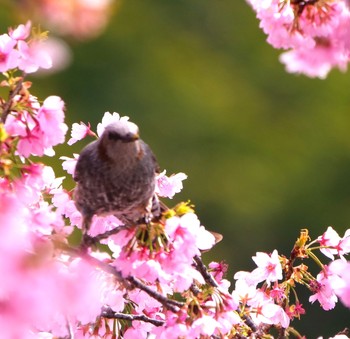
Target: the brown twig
(110, 314)
(250, 323)
(89, 241)
(209, 279)
(170, 304)
(12, 94)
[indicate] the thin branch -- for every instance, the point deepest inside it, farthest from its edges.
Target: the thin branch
(194, 289)
(130, 282)
(110, 314)
(88, 240)
(250, 323)
(204, 271)
(170, 304)
(13, 93)
(209, 279)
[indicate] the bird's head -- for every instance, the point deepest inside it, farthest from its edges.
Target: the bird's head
(122, 130)
(119, 140)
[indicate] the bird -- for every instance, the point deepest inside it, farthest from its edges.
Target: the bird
(116, 175)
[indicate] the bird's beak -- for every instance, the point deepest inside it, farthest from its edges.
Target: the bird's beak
(133, 136)
(130, 137)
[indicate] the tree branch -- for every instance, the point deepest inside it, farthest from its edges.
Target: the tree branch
(131, 282)
(89, 241)
(204, 271)
(12, 94)
(110, 314)
(170, 304)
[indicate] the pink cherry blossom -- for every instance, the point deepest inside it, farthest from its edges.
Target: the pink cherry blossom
(43, 219)
(81, 19)
(143, 301)
(69, 164)
(316, 33)
(21, 32)
(79, 132)
(139, 329)
(323, 291)
(65, 205)
(59, 199)
(102, 224)
(56, 50)
(329, 239)
(166, 264)
(51, 117)
(15, 125)
(24, 124)
(205, 239)
(277, 292)
(13, 229)
(9, 56)
(269, 267)
(32, 56)
(316, 61)
(169, 186)
(203, 325)
(334, 244)
(264, 310)
(218, 270)
(184, 231)
(29, 187)
(39, 130)
(341, 286)
(174, 328)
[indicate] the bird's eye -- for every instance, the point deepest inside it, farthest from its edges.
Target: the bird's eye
(114, 136)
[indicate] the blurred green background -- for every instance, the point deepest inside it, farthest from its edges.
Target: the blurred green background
(266, 152)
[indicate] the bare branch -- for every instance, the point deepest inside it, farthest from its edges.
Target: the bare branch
(89, 241)
(110, 314)
(204, 271)
(170, 304)
(13, 93)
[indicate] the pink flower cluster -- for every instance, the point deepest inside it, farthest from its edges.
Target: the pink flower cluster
(171, 262)
(168, 186)
(33, 271)
(17, 51)
(37, 127)
(146, 280)
(263, 304)
(216, 316)
(82, 19)
(270, 303)
(333, 281)
(315, 33)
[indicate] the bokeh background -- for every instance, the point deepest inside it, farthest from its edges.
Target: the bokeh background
(266, 152)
